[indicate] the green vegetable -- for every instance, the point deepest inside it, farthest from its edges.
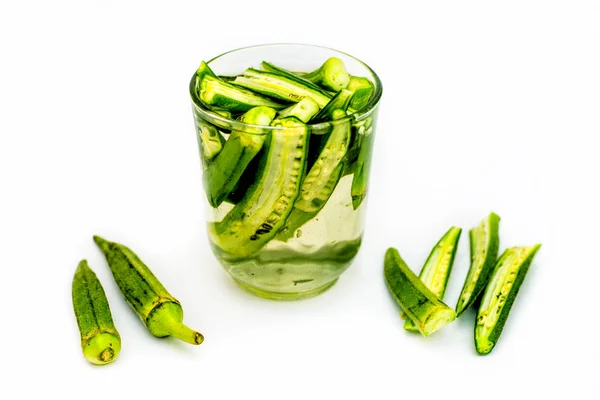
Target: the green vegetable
(362, 89)
(340, 101)
(419, 303)
(217, 93)
(242, 146)
(160, 312)
(304, 110)
(332, 75)
(360, 180)
(100, 341)
(305, 210)
(267, 66)
(437, 268)
(211, 142)
(485, 242)
(262, 212)
(280, 87)
(321, 179)
(500, 294)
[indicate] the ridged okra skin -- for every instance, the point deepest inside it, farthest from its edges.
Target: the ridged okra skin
(419, 303)
(160, 312)
(100, 340)
(484, 245)
(261, 213)
(436, 270)
(500, 294)
(222, 175)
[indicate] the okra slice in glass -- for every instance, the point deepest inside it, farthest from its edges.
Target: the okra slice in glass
(332, 75)
(240, 148)
(305, 210)
(484, 244)
(202, 71)
(210, 140)
(362, 89)
(280, 87)
(419, 303)
(261, 213)
(437, 268)
(322, 177)
(340, 101)
(304, 110)
(360, 180)
(267, 66)
(220, 94)
(500, 294)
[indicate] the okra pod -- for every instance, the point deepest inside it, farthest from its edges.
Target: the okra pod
(280, 87)
(360, 180)
(223, 174)
(437, 268)
(500, 294)
(419, 303)
(304, 110)
(332, 75)
(100, 341)
(340, 101)
(210, 140)
(485, 242)
(160, 312)
(217, 93)
(362, 89)
(267, 66)
(257, 218)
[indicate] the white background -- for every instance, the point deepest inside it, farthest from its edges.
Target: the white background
(486, 106)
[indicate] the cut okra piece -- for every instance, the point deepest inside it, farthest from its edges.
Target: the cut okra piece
(304, 110)
(267, 66)
(437, 268)
(242, 146)
(280, 87)
(202, 71)
(210, 140)
(217, 93)
(500, 294)
(360, 180)
(332, 75)
(419, 303)
(321, 179)
(362, 89)
(340, 101)
(485, 242)
(257, 218)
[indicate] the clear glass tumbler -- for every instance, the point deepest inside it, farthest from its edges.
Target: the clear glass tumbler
(272, 234)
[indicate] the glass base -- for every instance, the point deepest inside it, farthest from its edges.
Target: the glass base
(288, 296)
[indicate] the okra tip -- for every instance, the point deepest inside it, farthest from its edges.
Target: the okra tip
(102, 243)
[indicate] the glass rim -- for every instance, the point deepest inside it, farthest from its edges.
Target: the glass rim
(358, 115)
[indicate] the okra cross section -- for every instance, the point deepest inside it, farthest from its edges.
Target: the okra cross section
(419, 303)
(500, 294)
